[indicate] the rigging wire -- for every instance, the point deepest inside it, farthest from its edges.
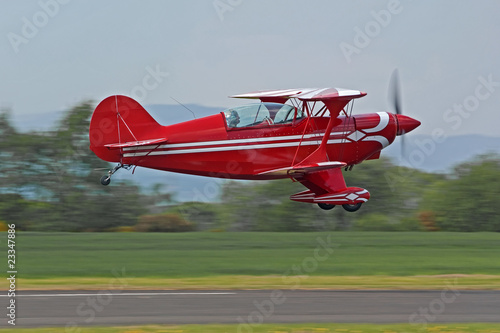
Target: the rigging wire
(347, 123)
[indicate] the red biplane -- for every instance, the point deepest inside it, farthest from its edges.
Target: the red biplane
(308, 135)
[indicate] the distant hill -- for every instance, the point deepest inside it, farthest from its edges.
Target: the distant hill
(430, 157)
(441, 157)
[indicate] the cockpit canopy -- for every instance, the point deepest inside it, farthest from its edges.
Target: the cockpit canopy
(261, 115)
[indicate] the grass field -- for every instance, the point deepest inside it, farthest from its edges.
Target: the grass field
(205, 259)
(281, 328)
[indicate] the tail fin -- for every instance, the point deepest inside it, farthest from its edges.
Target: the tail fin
(119, 121)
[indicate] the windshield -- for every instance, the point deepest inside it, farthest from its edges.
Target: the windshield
(261, 115)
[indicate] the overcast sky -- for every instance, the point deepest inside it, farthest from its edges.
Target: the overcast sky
(55, 53)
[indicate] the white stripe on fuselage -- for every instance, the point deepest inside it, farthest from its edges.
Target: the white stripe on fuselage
(229, 148)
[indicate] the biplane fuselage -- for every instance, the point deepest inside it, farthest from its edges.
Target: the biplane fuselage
(247, 153)
(269, 140)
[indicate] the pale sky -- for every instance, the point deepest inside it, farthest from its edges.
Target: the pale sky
(56, 53)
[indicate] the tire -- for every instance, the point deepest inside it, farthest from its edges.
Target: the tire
(105, 180)
(352, 208)
(325, 206)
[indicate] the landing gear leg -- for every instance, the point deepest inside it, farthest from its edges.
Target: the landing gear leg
(105, 180)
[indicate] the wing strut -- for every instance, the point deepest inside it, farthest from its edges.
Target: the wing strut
(320, 155)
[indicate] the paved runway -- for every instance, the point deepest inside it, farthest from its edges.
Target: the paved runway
(81, 308)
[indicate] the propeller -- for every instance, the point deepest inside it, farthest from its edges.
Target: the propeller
(395, 100)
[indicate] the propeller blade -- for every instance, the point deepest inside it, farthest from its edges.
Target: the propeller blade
(395, 100)
(395, 92)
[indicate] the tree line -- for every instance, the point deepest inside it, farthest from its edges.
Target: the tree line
(49, 182)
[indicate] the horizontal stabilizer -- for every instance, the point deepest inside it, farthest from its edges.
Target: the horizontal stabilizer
(304, 169)
(136, 143)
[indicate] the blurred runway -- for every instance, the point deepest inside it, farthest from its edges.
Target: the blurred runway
(74, 309)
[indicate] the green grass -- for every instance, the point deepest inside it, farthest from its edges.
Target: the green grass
(204, 254)
(280, 328)
(212, 256)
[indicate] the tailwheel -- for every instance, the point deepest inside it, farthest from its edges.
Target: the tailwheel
(325, 206)
(352, 208)
(105, 180)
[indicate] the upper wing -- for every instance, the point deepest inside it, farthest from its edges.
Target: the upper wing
(334, 98)
(306, 94)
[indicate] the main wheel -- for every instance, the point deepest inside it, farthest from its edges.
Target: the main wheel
(325, 206)
(352, 208)
(105, 180)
